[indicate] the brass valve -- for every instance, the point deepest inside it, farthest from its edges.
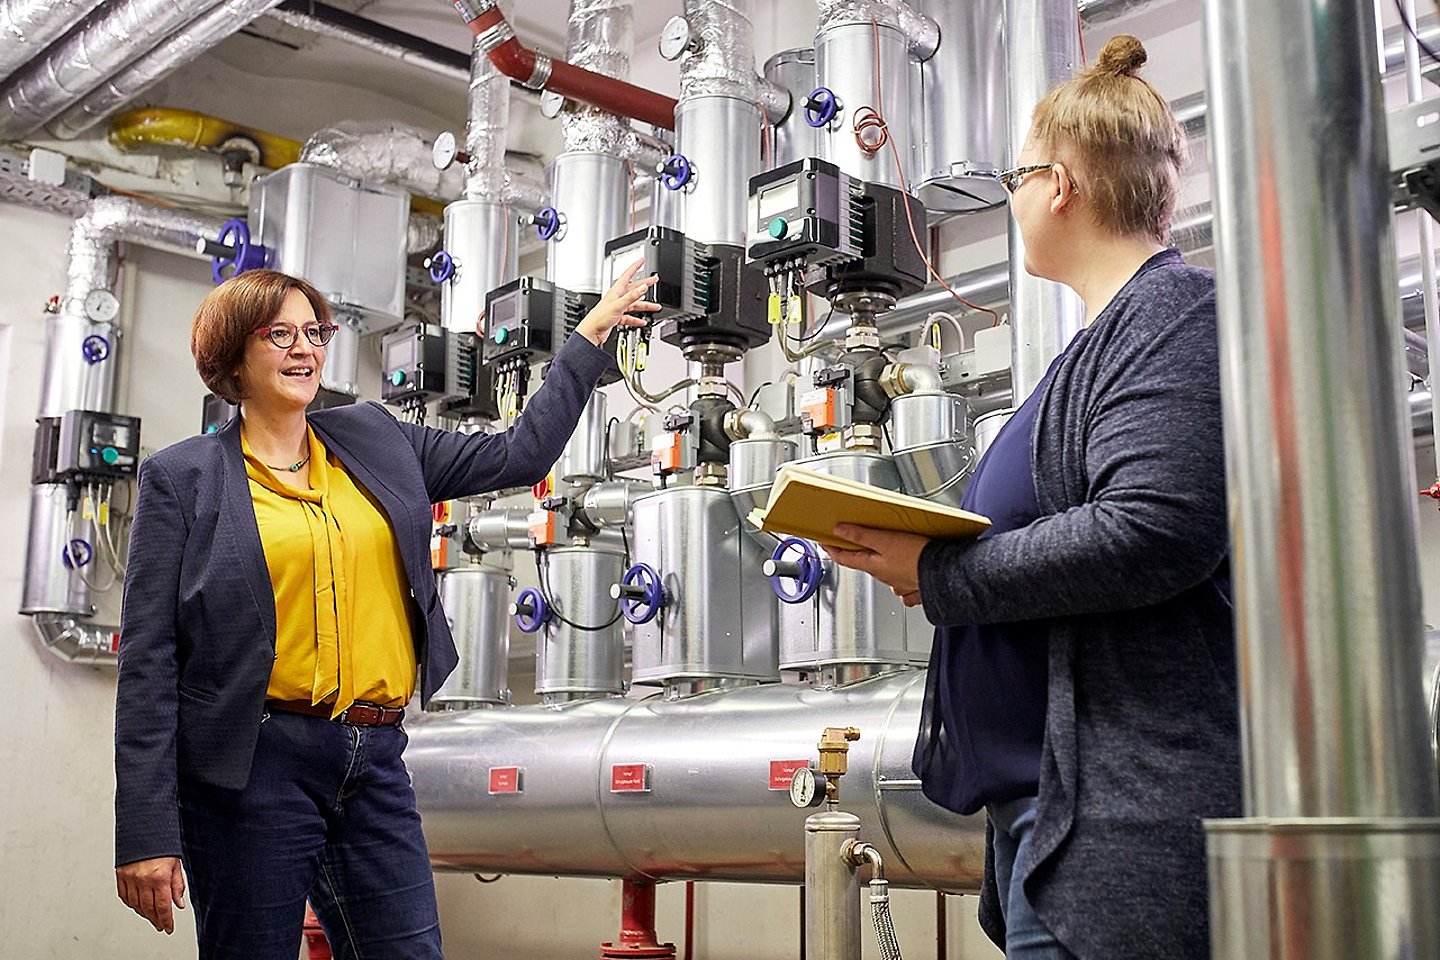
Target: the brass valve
(834, 750)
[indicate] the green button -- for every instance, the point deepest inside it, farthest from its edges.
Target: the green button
(502, 334)
(110, 455)
(397, 377)
(778, 228)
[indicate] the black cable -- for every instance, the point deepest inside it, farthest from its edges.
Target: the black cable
(609, 461)
(756, 392)
(545, 594)
(1410, 29)
(812, 334)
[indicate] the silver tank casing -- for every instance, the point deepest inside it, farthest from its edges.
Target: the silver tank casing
(853, 618)
(718, 620)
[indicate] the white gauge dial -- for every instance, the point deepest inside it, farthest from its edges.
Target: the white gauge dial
(674, 37)
(804, 789)
(551, 103)
(444, 151)
(101, 306)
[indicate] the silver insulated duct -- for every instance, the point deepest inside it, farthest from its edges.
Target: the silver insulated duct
(686, 789)
(27, 27)
(182, 47)
(110, 38)
(1340, 795)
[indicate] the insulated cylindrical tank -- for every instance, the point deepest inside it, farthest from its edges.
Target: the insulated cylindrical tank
(793, 138)
(929, 443)
(591, 193)
(694, 788)
(483, 240)
(719, 137)
(581, 649)
(713, 615)
(848, 59)
(851, 618)
(476, 600)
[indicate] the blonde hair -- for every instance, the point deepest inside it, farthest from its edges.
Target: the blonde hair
(1126, 146)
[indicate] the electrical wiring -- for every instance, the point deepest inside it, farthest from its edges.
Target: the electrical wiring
(1410, 29)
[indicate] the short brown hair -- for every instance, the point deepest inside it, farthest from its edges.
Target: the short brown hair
(230, 313)
(1128, 147)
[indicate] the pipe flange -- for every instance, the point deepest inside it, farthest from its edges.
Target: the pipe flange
(540, 75)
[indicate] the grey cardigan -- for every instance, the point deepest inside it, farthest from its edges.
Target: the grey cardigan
(1128, 563)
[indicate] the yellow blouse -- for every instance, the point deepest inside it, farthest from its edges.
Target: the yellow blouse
(341, 597)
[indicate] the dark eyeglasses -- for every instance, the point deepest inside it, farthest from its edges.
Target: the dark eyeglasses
(1011, 179)
(283, 335)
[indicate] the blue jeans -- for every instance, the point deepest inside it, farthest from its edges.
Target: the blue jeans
(1026, 937)
(328, 814)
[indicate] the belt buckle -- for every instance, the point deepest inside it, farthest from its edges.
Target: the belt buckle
(363, 714)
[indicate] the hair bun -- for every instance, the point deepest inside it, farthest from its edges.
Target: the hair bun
(1122, 56)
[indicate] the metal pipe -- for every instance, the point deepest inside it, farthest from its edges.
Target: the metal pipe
(1099, 11)
(182, 47)
(832, 887)
(1430, 304)
(29, 26)
(324, 20)
(87, 56)
(1042, 49)
(76, 641)
(541, 72)
(715, 807)
(1339, 782)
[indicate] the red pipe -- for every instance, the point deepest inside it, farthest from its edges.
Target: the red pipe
(637, 926)
(540, 72)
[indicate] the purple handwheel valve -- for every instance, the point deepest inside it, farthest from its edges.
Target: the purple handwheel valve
(530, 610)
(795, 581)
(640, 593)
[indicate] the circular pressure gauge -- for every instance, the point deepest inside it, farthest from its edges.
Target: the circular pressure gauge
(804, 790)
(674, 37)
(445, 150)
(551, 103)
(101, 306)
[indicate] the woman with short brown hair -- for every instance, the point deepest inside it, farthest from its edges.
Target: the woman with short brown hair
(279, 613)
(1082, 685)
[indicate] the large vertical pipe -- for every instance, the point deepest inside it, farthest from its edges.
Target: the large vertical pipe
(1042, 49)
(832, 887)
(1414, 91)
(1342, 855)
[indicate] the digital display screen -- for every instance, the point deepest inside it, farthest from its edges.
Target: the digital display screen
(616, 262)
(778, 200)
(110, 435)
(503, 312)
(399, 354)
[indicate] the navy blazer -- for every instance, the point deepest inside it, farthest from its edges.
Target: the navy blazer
(197, 627)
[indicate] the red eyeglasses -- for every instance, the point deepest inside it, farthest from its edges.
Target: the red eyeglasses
(283, 335)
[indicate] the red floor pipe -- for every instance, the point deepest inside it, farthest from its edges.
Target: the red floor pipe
(637, 926)
(316, 946)
(541, 72)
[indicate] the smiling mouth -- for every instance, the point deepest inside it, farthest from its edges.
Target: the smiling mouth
(298, 373)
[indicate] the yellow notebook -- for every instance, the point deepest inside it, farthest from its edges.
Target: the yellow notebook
(806, 503)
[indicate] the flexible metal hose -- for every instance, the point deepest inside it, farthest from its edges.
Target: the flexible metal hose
(884, 923)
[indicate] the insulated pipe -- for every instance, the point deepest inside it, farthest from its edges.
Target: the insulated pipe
(106, 41)
(182, 47)
(1042, 49)
(324, 20)
(29, 26)
(541, 72)
(700, 789)
(1430, 345)
(76, 641)
(1339, 789)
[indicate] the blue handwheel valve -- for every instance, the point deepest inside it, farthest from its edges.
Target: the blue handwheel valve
(795, 580)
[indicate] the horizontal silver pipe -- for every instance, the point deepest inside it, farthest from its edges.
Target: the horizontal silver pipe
(29, 26)
(355, 38)
(77, 641)
(708, 809)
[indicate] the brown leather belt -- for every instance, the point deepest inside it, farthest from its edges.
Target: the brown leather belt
(359, 713)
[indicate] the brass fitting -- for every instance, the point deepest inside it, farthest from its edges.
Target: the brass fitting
(834, 750)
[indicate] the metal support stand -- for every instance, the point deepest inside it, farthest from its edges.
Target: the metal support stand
(637, 926)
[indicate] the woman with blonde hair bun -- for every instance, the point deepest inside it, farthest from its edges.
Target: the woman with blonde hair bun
(1082, 685)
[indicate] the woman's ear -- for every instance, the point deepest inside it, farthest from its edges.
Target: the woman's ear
(1063, 193)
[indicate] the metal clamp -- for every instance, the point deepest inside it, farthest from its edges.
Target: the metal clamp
(821, 107)
(640, 592)
(530, 610)
(806, 572)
